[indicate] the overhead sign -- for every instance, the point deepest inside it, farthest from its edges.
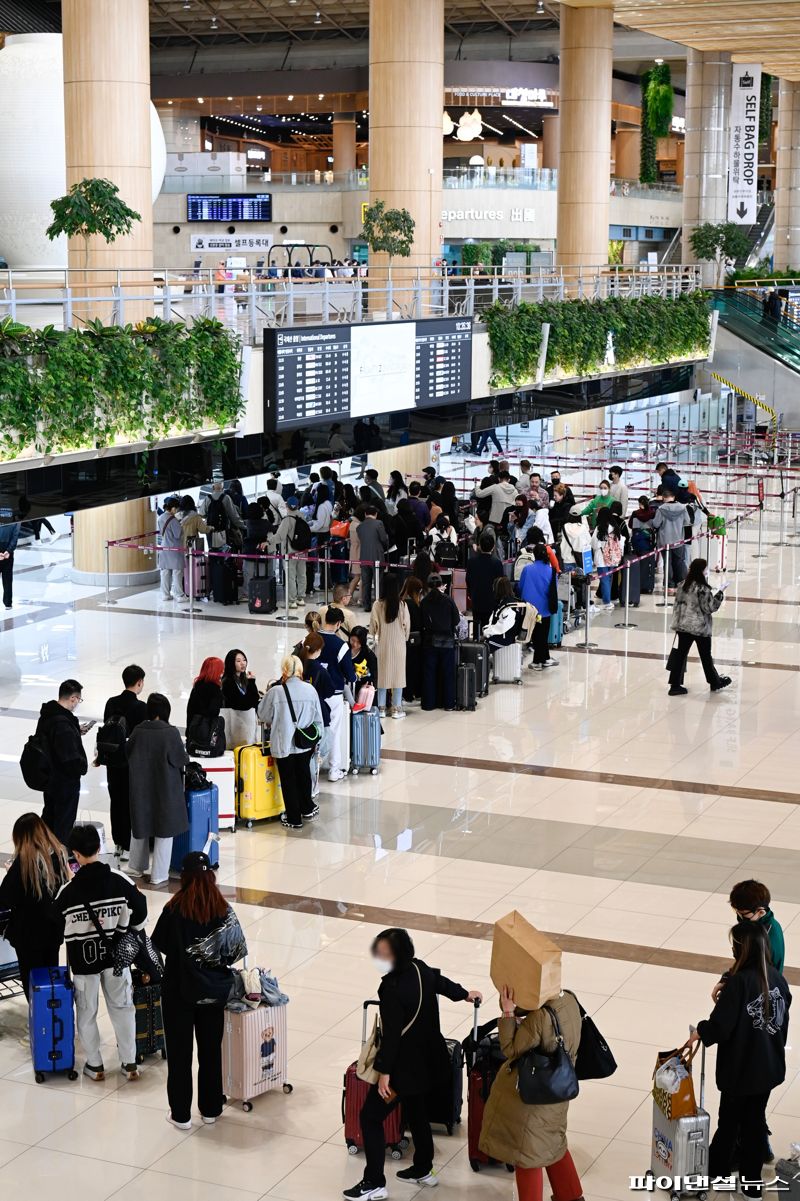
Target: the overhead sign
(208, 243)
(743, 146)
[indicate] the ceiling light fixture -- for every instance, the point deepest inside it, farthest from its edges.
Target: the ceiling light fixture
(187, 4)
(290, 97)
(318, 18)
(540, 8)
(200, 100)
(214, 22)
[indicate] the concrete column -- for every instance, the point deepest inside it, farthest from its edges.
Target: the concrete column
(108, 523)
(587, 44)
(344, 142)
(787, 177)
(107, 130)
(406, 100)
(705, 183)
(628, 147)
(550, 141)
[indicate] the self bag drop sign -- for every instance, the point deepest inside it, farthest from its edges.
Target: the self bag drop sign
(743, 150)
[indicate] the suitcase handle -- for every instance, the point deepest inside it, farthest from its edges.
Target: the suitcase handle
(58, 1030)
(364, 1020)
(475, 1008)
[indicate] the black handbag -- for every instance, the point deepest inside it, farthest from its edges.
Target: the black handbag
(305, 737)
(594, 1060)
(195, 779)
(205, 736)
(122, 945)
(673, 658)
(547, 1079)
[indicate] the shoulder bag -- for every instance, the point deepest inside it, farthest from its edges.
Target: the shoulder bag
(365, 1068)
(672, 658)
(205, 736)
(306, 738)
(547, 1079)
(122, 945)
(594, 1060)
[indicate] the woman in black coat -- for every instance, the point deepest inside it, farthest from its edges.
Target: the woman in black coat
(412, 1058)
(205, 701)
(405, 528)
(28, 888)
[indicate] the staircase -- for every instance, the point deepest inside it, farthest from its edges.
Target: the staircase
(673, 254)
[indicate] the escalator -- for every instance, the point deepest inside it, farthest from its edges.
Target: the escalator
(742, 313)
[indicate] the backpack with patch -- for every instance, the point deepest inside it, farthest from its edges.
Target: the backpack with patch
(612, 551)
(111, 739)
(216, 516)
(301, 538)
(36, 763)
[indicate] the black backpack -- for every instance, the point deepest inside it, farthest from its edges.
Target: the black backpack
(301, 538)
(216, 516)
(111, 739)
(446, 553)
(36, 763)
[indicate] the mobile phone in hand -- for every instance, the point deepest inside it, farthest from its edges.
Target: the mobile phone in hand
(87, 725)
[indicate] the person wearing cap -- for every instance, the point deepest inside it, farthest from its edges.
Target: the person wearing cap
(200, 938)
(440, 620)
(281, 542)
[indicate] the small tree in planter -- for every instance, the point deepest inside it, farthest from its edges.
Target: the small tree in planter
(720, 243)
(93, 206)
(388, 231)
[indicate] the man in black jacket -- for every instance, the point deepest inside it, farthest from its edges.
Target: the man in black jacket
(61, 732)
(128, 709)
(482, 571)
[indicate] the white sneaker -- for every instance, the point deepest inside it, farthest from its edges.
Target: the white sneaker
(399, 715)
(335, 776)
(209, 1121)
(550, 663)
(382, 712)
(132, 872)
(609, 608)
(178, 1125)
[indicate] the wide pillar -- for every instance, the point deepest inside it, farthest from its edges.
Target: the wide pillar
(587, 50)
(628, 152)
(406, 97)
(550, 141)
(107, 131)
(344, 142)
(787, 177)
(705, 182)
(93, 528)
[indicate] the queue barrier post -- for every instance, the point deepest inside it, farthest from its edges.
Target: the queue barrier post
(626, 624)
(108, 600)
(377, 581)
(665, 552)
(782, 534)
(586, 645)
(759, 553)
(286, 588)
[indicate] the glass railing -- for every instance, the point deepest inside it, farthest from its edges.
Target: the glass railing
(743, 314)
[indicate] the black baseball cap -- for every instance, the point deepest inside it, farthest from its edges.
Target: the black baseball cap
(196, 861)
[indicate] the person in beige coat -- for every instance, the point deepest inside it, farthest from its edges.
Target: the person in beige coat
(390, 626)
(532, 1137)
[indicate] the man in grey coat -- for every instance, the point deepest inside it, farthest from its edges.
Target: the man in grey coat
(373, 543)
(669, 522)
(170, 556)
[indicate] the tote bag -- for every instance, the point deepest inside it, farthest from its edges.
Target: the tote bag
(365, 1068)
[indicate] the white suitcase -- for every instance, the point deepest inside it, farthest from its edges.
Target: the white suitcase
(254, 1053)
(507, 664)
(222, 772)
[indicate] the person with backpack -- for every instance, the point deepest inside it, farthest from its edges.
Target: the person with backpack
(122, 714)
(223, 518)
(643, 541)
(92, 912)
(338, 662)
(200, 938)
(54, 760)
(203, 709)
(537, 587)
(157, 759)
(258, 529)
(293, 538)
(607, 550)
(319, 524)
(171, 551)
(28, 888)
(669, 523)
(482, 571)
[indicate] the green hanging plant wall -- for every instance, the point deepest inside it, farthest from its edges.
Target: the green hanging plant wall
(648, 167)
(646, 329)
(765, 109)
(91, 388)
(660, 99)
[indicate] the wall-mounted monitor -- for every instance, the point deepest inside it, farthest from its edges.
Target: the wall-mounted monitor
(256, 206)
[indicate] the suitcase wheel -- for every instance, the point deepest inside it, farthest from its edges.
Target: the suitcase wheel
(475, 1165)
(249, 824)
(449, 1131)
(247, 1106)
(73, 1075)
(39, 1077)
(354, 771)
(404, 1143)
(373, 771)
(140, 1058)
(397, 1152)
(352, 1149)
(509, 1167)
(288, 1088)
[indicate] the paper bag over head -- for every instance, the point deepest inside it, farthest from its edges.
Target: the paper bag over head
(525, 960)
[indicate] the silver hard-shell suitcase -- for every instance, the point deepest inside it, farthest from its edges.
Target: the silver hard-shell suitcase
(507, 664)
(679, 1147)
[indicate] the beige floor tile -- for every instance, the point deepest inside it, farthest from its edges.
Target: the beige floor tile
(603, 1108)
(620, 925)
(40, 1172)
(311, 1107)
(135, 1135)
(31, 1111)
(658, 900)
(157, 1186)
(233, 1151)
(609, 1175)
(323, 1061)
(293, 927)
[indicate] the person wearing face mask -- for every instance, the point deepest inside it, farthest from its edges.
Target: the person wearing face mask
(695, 603)
(600, 501)
(412, 1060)
(556, 482)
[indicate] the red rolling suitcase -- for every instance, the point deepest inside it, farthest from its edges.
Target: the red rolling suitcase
(354, 1094)
(484, 1060)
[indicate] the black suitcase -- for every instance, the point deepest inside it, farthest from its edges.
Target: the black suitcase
(445, 1103)
(224, 581)
(632, 571)
(149, 1020)
(262, 594)
(477, 654)
(647, 574)
(466, 696)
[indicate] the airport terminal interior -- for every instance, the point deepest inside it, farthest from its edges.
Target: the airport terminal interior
(327, 265)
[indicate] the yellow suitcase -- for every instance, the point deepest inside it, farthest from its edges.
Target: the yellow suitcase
(258, 786)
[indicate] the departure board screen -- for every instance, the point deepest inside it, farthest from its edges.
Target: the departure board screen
(232, 207)
(316, 374)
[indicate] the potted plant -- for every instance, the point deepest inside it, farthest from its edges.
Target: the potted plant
(388, 231)
(93, 206)
(721, 243)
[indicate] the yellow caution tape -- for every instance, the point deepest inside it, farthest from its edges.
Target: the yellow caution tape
(757, 400)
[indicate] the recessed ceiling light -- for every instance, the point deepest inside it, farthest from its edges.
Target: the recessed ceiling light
(290, 97)
(229, 97)
(258, 108)
(169, 102)
(213, 22)
(187, 4)
(659, 61)
(321, 96)
(540, 8)
(318, 18)
(200, 100)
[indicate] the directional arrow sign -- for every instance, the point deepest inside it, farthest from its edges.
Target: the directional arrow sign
(743, 144)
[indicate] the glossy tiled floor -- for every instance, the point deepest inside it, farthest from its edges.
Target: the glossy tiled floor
(611, 816)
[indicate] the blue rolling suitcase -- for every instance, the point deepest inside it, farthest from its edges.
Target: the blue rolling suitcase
(365, 741)
(52, 1022)
(556, 633)
(203, 809)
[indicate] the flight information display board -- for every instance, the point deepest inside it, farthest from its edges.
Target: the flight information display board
(316, 374)
(230, 207)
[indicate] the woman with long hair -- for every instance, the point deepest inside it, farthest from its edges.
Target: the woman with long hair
(405, 530)
(396, 489)
(695, 604)
(749, 1025)
(319, 523)
(240, 700)
(37, 872)
(203, 706)
(607, 550)
(365, 661)
(390, 626)
(200, 938)
(291, 708)
(449, 501)
(411, 596)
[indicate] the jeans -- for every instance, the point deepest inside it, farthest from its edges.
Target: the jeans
(139, 859)
(174, 580)
(741, 1121)
(7, 576)
(684, 645)
(118, 994)
(439, 675)
(486, 437)
(415, 1116)
(605, 574)
(563, 1177)
(397, 697)
(295, 776)
(674, 564)
(295, 577)
(184, 1025)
